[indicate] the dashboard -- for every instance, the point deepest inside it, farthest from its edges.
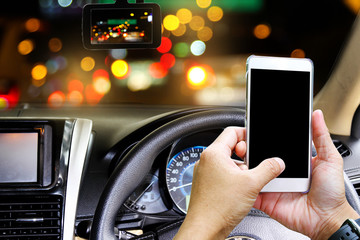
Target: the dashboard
(168, 185)
(56, 168)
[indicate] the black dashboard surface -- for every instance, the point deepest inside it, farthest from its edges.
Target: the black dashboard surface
(116, 129)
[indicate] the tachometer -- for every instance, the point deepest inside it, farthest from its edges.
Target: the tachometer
(179, 175)
(146, 198)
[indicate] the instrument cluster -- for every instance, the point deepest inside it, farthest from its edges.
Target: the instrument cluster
(168, 185)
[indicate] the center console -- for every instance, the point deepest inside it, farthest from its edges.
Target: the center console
(41, 165)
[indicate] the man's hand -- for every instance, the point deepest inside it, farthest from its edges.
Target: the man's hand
(223, 192)
(321, 212)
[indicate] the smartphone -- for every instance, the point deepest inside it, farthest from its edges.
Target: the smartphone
(279, 100)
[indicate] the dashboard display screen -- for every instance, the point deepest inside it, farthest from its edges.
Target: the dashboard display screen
(19, 157)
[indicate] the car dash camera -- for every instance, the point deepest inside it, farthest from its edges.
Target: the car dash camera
(121, 25)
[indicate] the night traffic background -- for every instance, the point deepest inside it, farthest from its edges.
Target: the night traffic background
(201, 60)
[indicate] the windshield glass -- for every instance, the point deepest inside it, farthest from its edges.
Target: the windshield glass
(201, 60)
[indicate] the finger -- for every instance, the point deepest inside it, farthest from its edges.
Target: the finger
(195, 168)
(267, 170)
(228, 139)
(240, 149)
(243, 167)
(196, 165)
(321, 137)
(241, 164)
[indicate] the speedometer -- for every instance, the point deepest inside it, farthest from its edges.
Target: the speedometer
(179, 175)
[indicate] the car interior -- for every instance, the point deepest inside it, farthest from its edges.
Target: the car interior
(99, 141)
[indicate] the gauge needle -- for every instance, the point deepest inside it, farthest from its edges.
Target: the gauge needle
(142, 193)
(182, 186)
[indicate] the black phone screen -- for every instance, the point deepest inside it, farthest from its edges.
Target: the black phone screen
(279, 119)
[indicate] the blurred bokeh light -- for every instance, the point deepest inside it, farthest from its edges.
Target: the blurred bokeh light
(101, 81)
(120, 68)
(87, 64)
(55, 44)
(196, 77)
(197, 23)
(32, 24)
(298, 53)
(39, 72)
(56, 99)
(25, 47)
(203, 3)
(171, 22)
(262, 31)
(201, 59)
(215, 14)
(184, 15)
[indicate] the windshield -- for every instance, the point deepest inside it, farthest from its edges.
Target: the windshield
(201, 60)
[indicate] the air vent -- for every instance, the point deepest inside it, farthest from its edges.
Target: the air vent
(30, 217)
(342, 148)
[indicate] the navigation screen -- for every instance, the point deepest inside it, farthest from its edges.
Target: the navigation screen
(121, 26)
(19, 157)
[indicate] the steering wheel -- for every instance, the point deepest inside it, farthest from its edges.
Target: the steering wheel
(131, 171)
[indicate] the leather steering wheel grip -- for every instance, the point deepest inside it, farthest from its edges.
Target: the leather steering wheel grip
(131, 171)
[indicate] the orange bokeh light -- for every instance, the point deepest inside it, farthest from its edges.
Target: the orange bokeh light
(101, 73)
(92, 97)
(262, 31)
(55, 44)
(205, 34)
(203, 3)
(75, 85)
(184, 15)
(39, 72)
(75, 98)
(101, 81)
(353, 5)
(197, 23)
(25, 47)
(56, 99)
(215, 14)
(298, 53)
(32, 24)
(158, 70)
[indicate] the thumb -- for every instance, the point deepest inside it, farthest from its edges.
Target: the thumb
(267, 170)
(321, 137)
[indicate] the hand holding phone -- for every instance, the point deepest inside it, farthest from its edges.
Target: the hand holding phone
(279, 108)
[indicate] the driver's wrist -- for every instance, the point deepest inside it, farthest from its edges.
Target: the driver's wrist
(198, 231)
(334, 223)
(195, 228)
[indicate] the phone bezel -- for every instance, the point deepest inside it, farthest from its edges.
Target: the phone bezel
(287, 64)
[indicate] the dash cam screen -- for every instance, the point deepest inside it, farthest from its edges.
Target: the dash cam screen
(279, 119)
(19, 157)
(121, 26)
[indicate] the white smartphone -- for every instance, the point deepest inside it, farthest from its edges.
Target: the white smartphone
(279, 103)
